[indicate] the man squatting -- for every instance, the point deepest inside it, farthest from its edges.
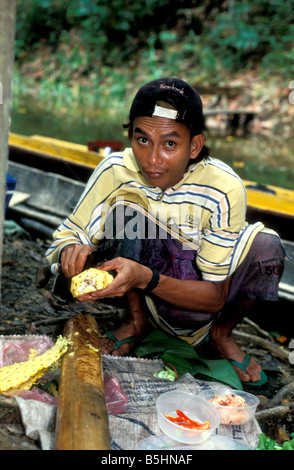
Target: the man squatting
(211, 266)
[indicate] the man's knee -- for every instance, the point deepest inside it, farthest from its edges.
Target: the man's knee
(259, 275)
(269, 245)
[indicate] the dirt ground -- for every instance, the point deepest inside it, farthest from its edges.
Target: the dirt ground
(27, 310)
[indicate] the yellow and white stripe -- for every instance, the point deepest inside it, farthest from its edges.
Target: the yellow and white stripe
(205, 211)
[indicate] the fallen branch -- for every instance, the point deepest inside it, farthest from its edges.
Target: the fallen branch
(276, 412)
(284, 391)
(51, 321)
(264, 343)
(261, 331)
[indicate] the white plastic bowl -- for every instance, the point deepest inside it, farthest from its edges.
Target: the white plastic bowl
(234, 414)
(194, 407)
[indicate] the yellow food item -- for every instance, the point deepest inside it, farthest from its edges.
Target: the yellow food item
(23, 375)
(232, 408)
(89, 281)
(228, 400)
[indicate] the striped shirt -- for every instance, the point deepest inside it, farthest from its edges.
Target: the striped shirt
(205, 211)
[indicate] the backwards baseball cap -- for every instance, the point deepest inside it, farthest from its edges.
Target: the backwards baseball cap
(185, 103)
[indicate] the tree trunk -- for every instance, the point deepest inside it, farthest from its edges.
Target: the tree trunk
(7, 31)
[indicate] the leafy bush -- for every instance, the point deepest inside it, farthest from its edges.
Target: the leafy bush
(39, 20)
(210, 33)
(253, 32)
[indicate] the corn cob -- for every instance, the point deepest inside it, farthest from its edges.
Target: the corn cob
(23, 375)
(89, 281)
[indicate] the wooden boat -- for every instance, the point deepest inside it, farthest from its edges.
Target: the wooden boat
(270, 199)
(42, 196)
(286, 287)
(58, 156)
(272, 205)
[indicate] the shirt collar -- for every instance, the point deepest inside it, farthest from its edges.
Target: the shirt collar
(129, 160)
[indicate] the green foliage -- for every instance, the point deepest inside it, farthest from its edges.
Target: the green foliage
(96, 51)
(266, 443)
(255, 31)
(183, 358)
(236, 34)
(39, 20)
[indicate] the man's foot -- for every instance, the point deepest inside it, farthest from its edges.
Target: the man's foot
(111, 346)
(133, 327)
(228, 348)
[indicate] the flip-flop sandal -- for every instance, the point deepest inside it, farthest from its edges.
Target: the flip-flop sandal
(130, 339)
(245, 363)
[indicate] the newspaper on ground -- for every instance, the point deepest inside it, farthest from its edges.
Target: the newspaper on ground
(137, 425)
(142, 389)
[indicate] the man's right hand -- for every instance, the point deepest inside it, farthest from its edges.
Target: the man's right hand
(73, 259)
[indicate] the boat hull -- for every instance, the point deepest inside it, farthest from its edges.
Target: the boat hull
(271, 205)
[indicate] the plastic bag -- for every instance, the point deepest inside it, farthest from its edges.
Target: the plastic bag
(115, 398)
(19, 351)
(39, 395)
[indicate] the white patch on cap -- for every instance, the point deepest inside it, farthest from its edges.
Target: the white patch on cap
(159, 111)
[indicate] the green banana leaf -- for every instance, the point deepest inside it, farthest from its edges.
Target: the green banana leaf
(182, 366)
(183, 358)
(158, 342)
(222, 371)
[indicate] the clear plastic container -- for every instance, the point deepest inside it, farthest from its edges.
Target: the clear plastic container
(236, 415)
(195, 407)
(215, 442)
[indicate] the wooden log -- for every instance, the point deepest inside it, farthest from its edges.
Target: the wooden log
(82, 419)
(287, 389)
(278, 351)
(276, 412)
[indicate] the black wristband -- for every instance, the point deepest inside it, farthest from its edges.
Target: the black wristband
(154, 281)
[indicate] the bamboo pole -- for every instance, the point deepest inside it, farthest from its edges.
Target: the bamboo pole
(7, 32)
(82, 420)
